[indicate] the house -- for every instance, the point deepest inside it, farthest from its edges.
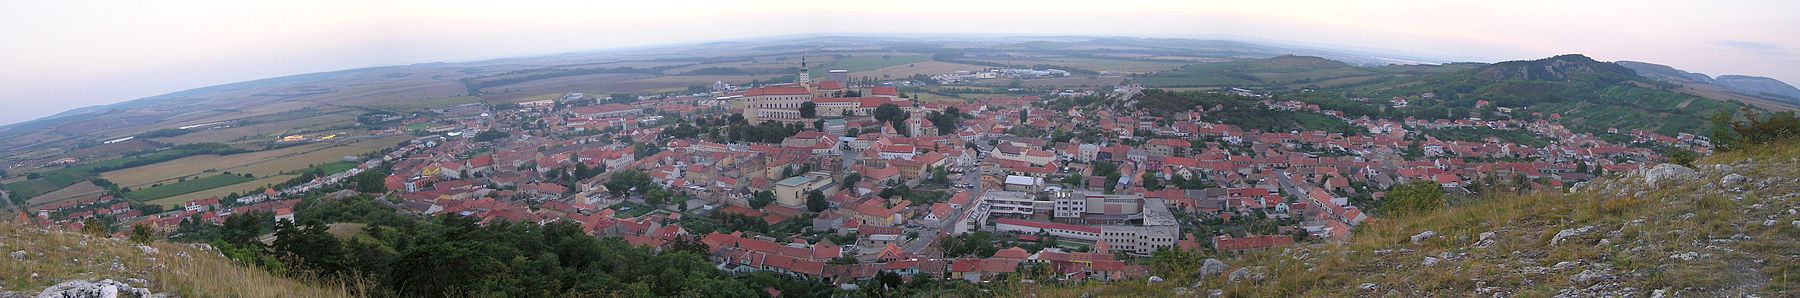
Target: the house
(975, 270)
(875, 211)
(1165, 147)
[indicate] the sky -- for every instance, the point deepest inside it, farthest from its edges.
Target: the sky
(61, 55)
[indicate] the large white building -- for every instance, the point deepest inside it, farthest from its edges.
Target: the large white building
(1130, 224)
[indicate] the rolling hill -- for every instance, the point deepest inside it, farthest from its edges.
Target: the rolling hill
(1746, 86)
(1588, 95)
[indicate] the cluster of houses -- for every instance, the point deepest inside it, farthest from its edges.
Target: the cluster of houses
(1166, 174)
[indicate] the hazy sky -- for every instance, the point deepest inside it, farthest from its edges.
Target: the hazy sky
(59, 55)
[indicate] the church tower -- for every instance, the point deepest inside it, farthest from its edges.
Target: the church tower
(805, 77)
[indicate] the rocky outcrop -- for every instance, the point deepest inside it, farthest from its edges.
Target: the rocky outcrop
(1666, 174)
(105, 288)
(1213, 267)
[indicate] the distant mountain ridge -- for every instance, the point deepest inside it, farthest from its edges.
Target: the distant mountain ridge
(1761, 86)
(1767, 88)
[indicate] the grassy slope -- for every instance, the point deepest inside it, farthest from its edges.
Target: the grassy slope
(1738, 253)
(176, 269)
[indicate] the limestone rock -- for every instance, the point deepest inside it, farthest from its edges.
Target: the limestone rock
(1212, 268)
(1668, 174)
(1733, 180)
(1566, 233)
(1246, 274)
(88, 289)
(1422, 236)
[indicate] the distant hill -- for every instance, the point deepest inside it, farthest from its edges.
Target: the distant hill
(1561, 68)
(1588, 95)
(1760, 87)
(1293, 61)
(1666, 73)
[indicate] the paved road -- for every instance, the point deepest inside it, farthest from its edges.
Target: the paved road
(1288, 185)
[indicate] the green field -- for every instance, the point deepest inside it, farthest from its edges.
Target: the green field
(634, 209)
(329, 168)
(184, 187)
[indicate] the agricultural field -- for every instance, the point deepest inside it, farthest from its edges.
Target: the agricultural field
(495, 100)
(910, 69)
(1074, 81)
(59, 178)
(269, 167)
(241, 188)
(196, 165)
(866, 63)
(78, 190)
(1093, 64)
(328, 168)
(274, 127)
(424, 104)
(185, 187)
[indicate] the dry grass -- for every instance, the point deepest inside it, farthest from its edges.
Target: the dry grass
(177, 269)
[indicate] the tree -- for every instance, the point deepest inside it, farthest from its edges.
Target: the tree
(809, 110)
(1683, 157)
(141, 234)
(819, 125)
(94, 226)
(761, 199)
(243, 229)
(1723, 137)
(622, 183)
(309, 248)
(490, 135)
(815, 201)
(1073, 180)
(940, 175)
(1414, 198)
(371, 181)
(851, 180)
(1150, 181)
(891, 113)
